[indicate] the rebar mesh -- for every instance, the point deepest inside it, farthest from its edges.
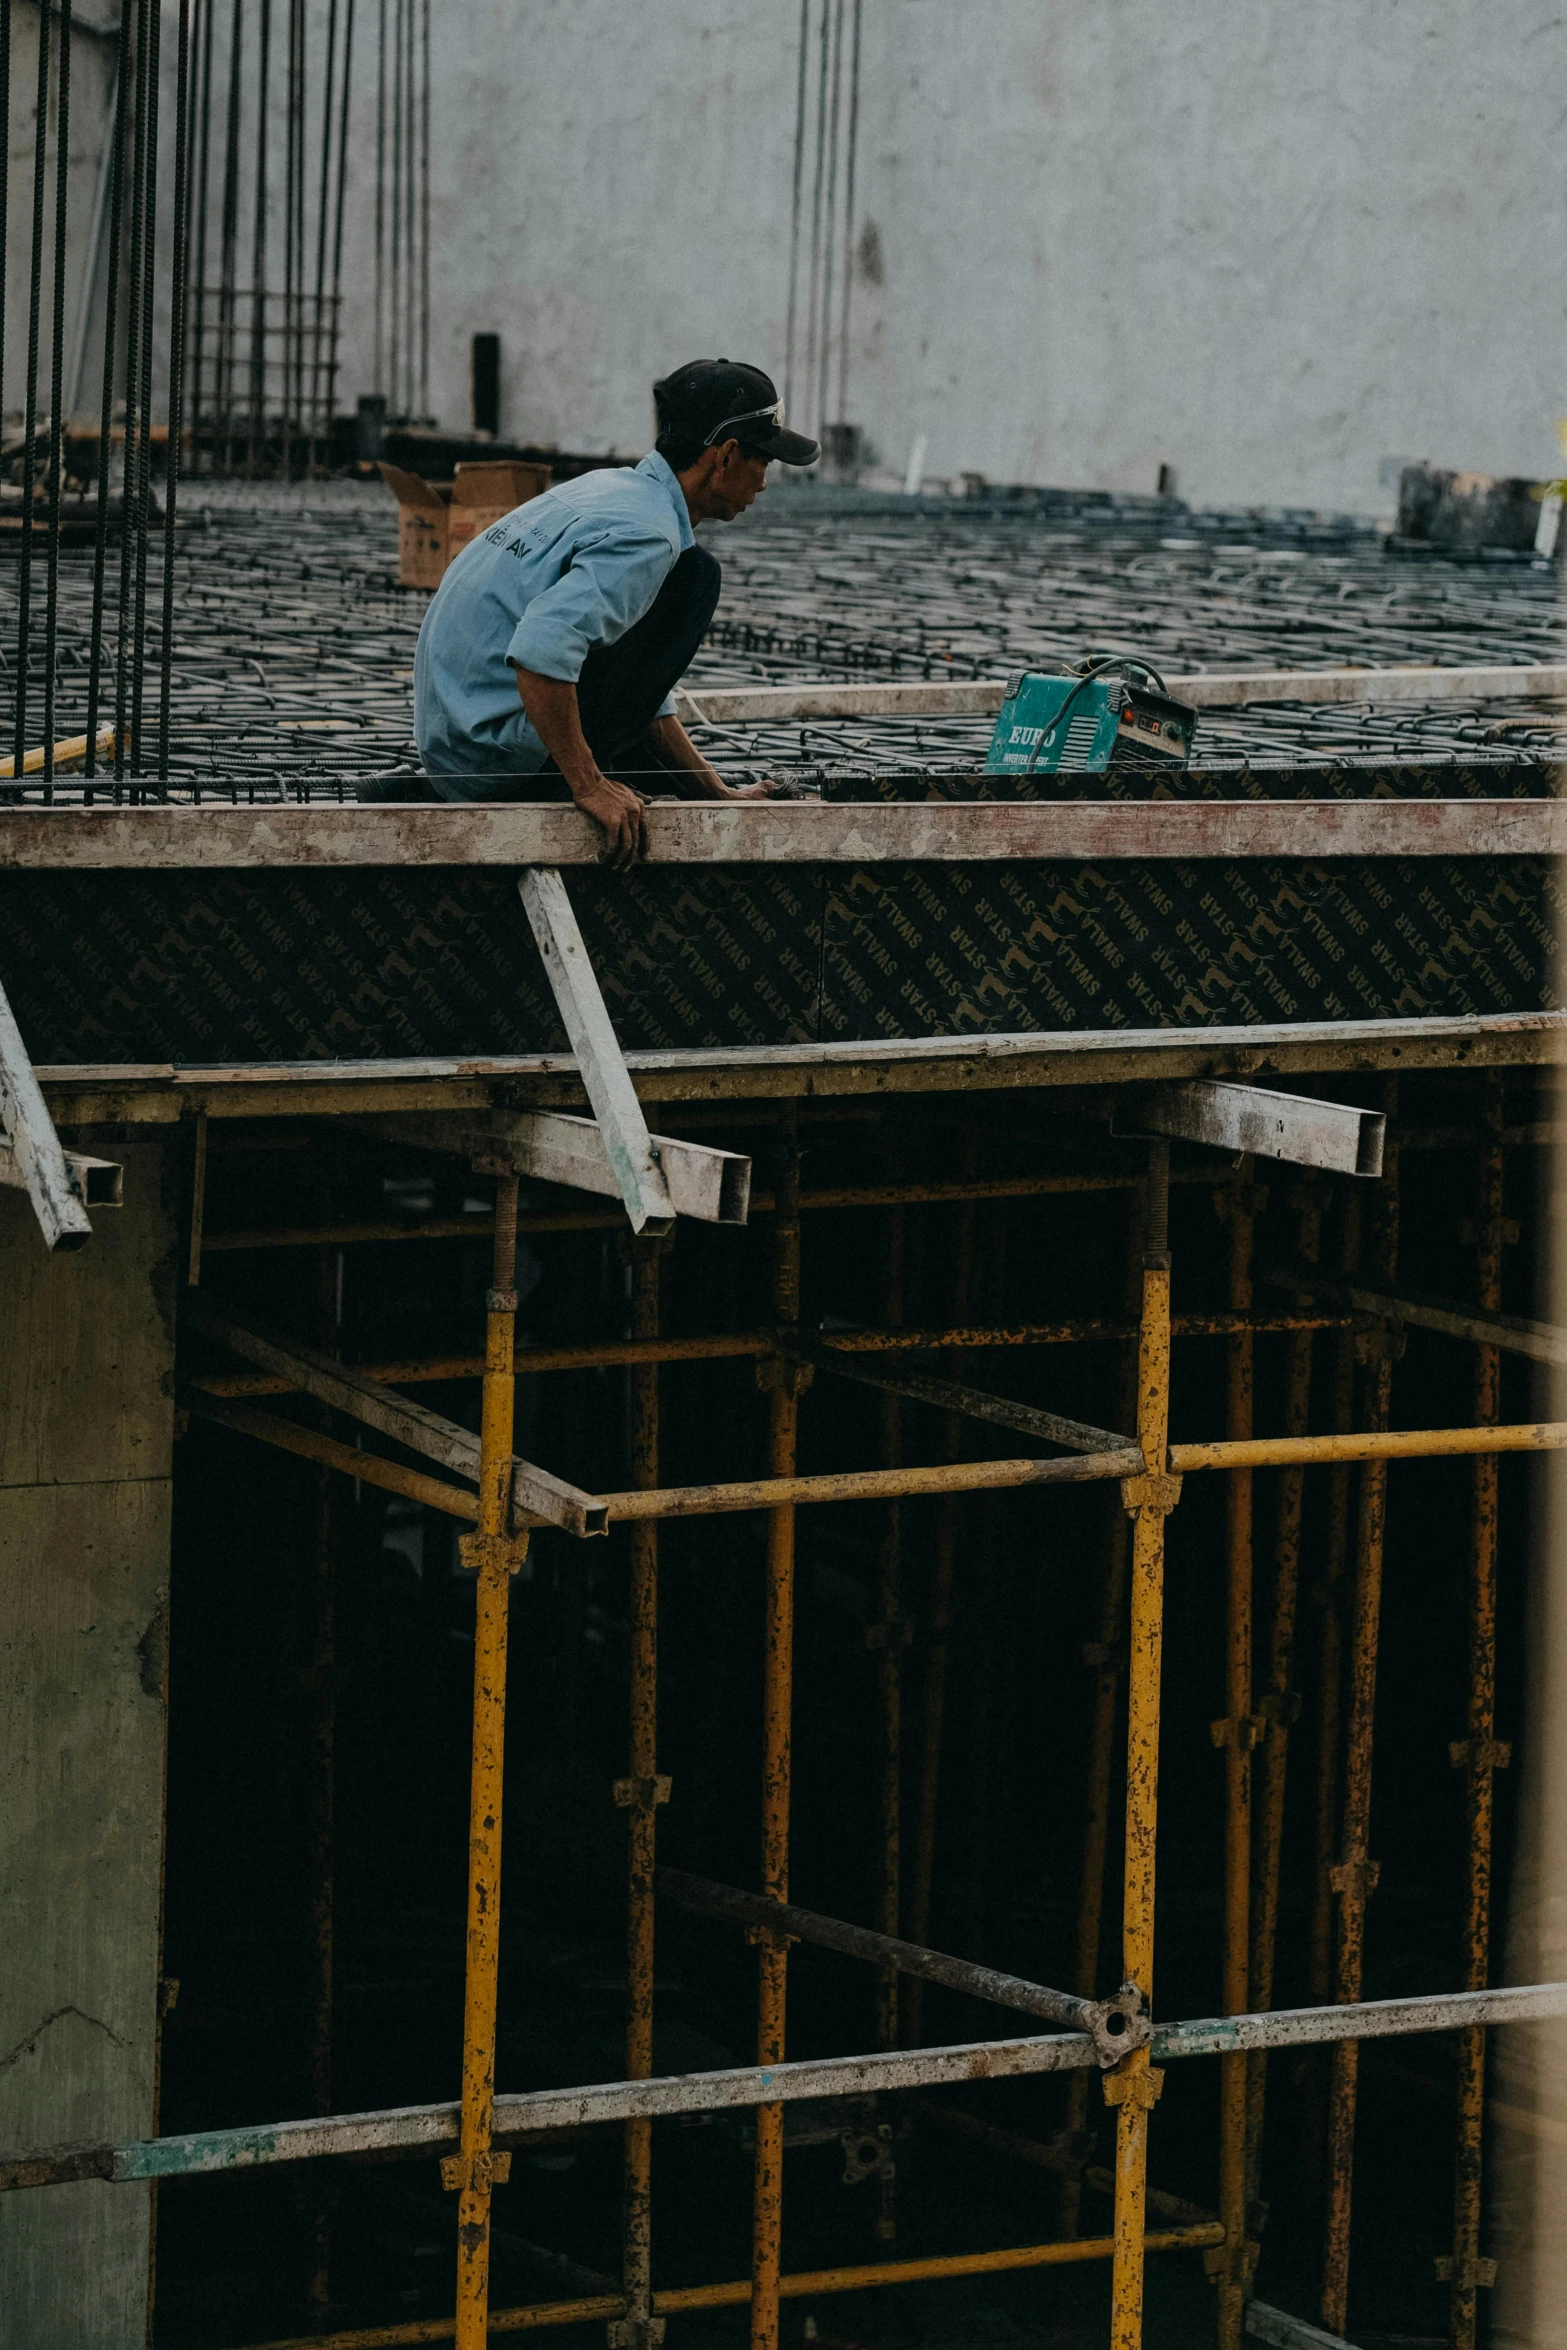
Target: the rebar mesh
(292, 654)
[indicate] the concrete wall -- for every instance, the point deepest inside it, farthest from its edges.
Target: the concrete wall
(1269, 246)
(92, 86)
(86, 1427)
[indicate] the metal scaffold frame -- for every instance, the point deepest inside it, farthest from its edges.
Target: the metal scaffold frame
(1117, 2036)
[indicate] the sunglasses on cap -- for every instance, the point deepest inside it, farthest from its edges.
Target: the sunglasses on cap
(727, 430)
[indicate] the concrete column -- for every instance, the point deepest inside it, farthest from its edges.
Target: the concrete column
(86, 1436)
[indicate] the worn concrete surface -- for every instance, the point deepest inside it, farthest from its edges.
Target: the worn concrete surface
(1267, 246)
(86, 1428)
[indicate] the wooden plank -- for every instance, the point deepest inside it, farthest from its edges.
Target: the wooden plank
(27, 1130)
(711, 1186)
(88, 1093)
(632, 1155)
(799, 832)
(535, 1492)
(981, 697)
(1255, 1118)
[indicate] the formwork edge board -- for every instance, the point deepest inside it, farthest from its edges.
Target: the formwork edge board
(981, 697)
(782, 833)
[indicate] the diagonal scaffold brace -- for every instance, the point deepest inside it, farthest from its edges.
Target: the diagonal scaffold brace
(632, 1153)
(495, 1551)
(31, 1147)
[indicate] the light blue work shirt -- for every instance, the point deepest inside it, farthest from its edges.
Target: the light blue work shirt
(570, 570)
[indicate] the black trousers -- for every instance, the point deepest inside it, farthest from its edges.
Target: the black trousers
(622, 685)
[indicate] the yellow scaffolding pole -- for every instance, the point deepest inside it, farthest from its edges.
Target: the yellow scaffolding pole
(1134, 2085)
(495, 1553)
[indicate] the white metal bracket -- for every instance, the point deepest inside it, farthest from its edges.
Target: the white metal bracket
(633, 1154)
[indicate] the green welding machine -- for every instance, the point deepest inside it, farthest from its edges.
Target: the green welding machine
(1109, 712)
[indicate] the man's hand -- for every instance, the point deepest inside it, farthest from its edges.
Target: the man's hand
(623, 814)
(678, 748)
(763, 790)
(551, 704)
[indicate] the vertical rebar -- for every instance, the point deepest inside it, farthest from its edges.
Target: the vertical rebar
(424, 213)
(5, 179)
(178, 275)
(318, 309)
(814, 274)
(1133, 2087)
(495, 1553)
(1278, 1707)
(292, 131)
(1236, 1735)
(850, 168)
(111, 315)
(337, 215)
(149, 261)
(201, 138)
(783, 1381)
(794, 202)
(830, 214)
(35, 277)
(255, 443)
(1479, 1755)
(381, 383)
(228, 284)
(1354, 1876)
(641, 1792)
(62, 185)
(1106, 1657)
(125, 639)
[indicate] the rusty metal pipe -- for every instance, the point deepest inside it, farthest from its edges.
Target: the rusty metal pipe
(785, 1379)
(1278, 1706)
(1479, 1755)
(641, 1793)
(805, 2284)
(1355, 1875)
(1107, 1658)
(494, 1552)
(1113, 2025)
(1133, 2088)
(611, 1353)
(1235, 1736)
(422, 2130)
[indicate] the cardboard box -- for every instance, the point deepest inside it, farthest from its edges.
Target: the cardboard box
(436, 518)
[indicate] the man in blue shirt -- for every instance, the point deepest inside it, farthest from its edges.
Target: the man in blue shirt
(551, 649)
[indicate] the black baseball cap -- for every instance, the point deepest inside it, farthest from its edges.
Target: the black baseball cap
(720, 400)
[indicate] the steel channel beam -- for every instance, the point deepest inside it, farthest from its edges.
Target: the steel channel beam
(1266, 1124)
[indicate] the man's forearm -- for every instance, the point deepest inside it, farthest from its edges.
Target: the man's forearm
(551, 704)
(677, 746)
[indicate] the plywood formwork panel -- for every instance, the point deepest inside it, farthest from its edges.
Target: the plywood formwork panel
(309, 965)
